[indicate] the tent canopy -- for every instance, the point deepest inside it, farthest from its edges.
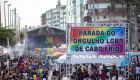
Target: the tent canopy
(62, 59)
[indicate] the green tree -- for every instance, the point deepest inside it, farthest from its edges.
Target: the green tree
(4, 33)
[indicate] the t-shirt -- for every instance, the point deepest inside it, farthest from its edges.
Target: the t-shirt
(47, 64)
(8, 63)
(54, 73)
(37, 79)
(34, 66)
(100, 68)
(22, 65)
(41, 71)
(89, 67)
(32, 72)
(34, 76)
(65, 78)
(82, 70)
(44, 74)
(25, 74)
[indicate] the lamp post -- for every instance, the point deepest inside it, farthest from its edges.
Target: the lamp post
(19, 29)
(12, 19)
(8, 15)
(15, 24)
(19, 23)
(5, 13)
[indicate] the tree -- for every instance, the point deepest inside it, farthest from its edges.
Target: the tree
(4, 33)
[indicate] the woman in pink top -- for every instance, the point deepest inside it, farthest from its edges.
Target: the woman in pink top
(103, 75)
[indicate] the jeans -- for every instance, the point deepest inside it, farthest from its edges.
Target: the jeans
(136, 76)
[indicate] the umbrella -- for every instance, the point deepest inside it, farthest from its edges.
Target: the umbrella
(56, 54)
(60, 54)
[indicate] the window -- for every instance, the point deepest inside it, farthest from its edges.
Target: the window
(104, 16)
(91, 6)
(97, 5)
(98, 17)
(88, 6)
(100, 10)
(81, 1)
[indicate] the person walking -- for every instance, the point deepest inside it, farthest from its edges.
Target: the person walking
(47, 64)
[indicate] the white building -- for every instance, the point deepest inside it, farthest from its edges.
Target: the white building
(57, 16)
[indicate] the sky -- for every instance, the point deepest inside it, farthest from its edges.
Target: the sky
(28, 10)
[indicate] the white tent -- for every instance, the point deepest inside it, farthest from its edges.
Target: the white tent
(62, 59)
(75, 60)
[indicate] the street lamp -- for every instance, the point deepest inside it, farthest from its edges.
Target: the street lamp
(19, 29)
(12, 19)
(5, 12)
(8, 14)
(19, 23)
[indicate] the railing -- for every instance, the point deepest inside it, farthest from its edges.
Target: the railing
(56, 10)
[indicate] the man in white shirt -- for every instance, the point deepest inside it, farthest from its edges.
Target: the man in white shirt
(8, 63)
(89, 67)
(100, 69)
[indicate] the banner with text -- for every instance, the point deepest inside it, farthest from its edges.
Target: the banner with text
(97, 40)
(50, 51)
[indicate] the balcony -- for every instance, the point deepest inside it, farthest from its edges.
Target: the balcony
(73, 0)
(56, 24)
(116, 11)
(88, 2)
(102, 1)
(114, 21)
(56, 11)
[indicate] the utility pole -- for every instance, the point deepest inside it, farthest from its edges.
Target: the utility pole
(94, 11)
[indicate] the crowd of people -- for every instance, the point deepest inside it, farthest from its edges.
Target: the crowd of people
(24, 68)
(96, 72)
(28, 67)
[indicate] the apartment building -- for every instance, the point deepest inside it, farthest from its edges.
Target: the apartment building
(43, 19)
(57, 16)
(103, 12)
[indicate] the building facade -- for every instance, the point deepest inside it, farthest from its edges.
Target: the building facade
(43, 19)
(80, 11)
(57, 16)
(71, 11)
(104, 12)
